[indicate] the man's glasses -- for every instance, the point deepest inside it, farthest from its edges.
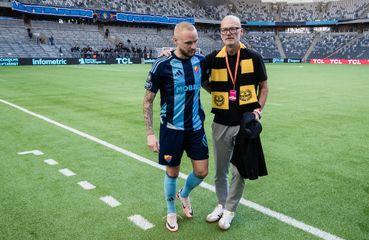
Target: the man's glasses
(231, 30)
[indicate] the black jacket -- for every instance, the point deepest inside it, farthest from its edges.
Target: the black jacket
(248, 155)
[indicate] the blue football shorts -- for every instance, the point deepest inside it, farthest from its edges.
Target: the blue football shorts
(174, 142)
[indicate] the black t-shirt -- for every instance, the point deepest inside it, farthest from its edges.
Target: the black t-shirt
(233, 116)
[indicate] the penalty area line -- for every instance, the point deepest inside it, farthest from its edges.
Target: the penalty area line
(279, 216)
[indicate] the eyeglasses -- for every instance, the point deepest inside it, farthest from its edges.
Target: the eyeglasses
(231, 30)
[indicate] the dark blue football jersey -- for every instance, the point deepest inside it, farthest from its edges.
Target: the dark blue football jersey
(179, 82)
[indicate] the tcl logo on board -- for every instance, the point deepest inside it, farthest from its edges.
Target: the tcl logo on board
(339, 61)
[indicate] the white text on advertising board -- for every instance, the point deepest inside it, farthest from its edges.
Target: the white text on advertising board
(124, 61)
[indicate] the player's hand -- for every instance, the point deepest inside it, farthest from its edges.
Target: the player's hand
(257, 113)
(152, 142)
(165, 53)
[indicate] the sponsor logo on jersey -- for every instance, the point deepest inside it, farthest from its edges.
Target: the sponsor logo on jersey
(186, 88)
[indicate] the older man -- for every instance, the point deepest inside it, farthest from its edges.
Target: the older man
(238, 84)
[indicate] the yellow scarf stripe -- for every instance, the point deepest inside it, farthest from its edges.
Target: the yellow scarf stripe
(222, 53)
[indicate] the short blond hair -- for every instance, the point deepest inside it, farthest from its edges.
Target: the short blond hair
(183, 26)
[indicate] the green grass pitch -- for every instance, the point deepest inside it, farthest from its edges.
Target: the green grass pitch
(315, 138)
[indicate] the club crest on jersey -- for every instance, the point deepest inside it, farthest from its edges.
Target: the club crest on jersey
(196, 68)
(167, 158)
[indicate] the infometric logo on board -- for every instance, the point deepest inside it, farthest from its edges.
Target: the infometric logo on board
(54, 61)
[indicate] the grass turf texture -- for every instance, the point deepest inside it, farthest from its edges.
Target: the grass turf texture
(315, 137)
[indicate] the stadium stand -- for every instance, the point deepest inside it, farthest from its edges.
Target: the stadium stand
(346, 9)
(359, 48)
(295, 45)
(253, 10)
(68, 35)
(330, 42)
(263, 43)
(15, 41)
(300, 12)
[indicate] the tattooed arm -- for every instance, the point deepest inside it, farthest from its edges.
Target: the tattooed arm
(152, 142)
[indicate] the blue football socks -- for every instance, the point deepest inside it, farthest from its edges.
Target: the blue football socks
(191, 182)
(170, 185)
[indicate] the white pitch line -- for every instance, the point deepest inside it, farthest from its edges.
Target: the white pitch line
(281, 217)
(141, 222)
(112, 202)
(34, 152)
(66, 172)
(86, 185)
(51, 162)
